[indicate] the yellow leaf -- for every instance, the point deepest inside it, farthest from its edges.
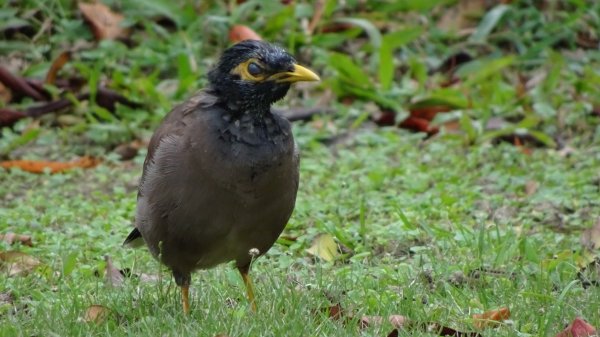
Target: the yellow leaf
(325, 247)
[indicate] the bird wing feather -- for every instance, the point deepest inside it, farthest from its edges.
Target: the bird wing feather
(172, 125)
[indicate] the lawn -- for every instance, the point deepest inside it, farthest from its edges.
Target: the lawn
(486, 206)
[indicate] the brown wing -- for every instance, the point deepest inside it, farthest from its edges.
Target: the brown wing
(174, 124)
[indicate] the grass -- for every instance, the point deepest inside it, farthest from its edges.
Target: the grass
(434, 213)
(435, 229)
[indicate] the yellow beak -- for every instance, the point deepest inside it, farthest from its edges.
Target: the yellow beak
(299, 74)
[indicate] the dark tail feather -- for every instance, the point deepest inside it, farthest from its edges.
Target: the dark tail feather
(134, 239)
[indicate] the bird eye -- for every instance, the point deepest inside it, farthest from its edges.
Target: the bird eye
(254, 69)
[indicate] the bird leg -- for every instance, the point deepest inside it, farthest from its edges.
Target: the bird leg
(248, 283)
(183, 280)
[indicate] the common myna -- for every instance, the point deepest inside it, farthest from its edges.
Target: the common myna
(221, 175)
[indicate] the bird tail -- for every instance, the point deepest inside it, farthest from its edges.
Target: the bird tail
(134, 239)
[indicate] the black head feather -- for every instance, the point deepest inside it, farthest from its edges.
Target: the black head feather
(242, 95)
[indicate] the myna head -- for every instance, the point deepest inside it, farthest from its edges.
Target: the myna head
(252, 75)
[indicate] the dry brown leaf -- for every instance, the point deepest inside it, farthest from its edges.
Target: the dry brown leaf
(335, 312)
(531, 187)
(325, 247)
(491, 318)
(56, 66)
(128, 151)
(105, 23)
(12, 238)
(6, 298)
(240, 33)
(590, 238)
(112, 276)
(39, 166)
(17, 263)
(461, 16)
(578, 328)
(96, 313)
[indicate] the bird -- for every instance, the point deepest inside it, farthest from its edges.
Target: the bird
(221, 174)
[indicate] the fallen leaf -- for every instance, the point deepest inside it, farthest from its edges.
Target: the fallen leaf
(96, 313)
(491, 318)
(12, 238)
(531, 187)
(590, 238)
(56, 66)
(335, 312)
(578, 328)
(461, 16)
(6, 298)
(325, 247)
(105, 23)
(112, 276)
(129, 150)
(429, 112)
(384, 117)
(17, 263)
(39, 166)
(419, 125)
(240, 33)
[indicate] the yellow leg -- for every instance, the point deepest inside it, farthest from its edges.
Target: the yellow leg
(185, 297)
(248, 283)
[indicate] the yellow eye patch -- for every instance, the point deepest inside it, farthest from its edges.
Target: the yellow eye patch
(244, 73)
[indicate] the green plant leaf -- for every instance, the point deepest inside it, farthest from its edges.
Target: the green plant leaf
(466, 124)
(542, 137)
(445, 96)
(480, 70)
(386, 58)
(27, 136)
(349, 70)
(367, 26)
(489, 22)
